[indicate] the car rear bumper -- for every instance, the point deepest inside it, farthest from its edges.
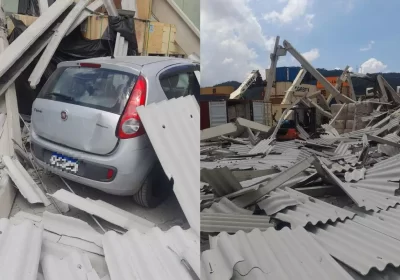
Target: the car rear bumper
(130, 166)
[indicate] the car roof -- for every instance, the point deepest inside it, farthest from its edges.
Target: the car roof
(134, 60)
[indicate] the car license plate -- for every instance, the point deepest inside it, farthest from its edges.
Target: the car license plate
(65, 163)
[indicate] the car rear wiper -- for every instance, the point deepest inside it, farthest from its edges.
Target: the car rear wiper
(65, 97)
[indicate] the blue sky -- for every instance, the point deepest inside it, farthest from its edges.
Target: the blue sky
(237, 35)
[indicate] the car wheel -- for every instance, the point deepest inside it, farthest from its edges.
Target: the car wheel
(156, 188)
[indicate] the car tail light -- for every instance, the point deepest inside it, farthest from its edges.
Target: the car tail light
(129, 125)
(110, 173)
(90, 65)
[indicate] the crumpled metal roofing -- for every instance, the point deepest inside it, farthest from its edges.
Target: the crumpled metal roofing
(221, 179)
(358, 246)
(75, 266)
(369, 199)
(392, 137)
(355, 175)
(225, 206)
(277, 201)
(280, 147)
(264, 146)
(381, 176)
(284, 255)
(173, 129)
(24, 182)
(308, 210)
(154, 255)
(302, 133)
(344, 147)
(20, 248)
(255, 163)
(231, 223)
(240, 149)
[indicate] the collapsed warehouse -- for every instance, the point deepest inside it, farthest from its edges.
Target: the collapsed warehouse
(320, 205)
(49, 231)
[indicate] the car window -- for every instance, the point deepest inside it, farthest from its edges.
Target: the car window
(97, 88)
(180, 84)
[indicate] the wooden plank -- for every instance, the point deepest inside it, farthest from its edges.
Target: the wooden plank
(95, 27)
(161, 39)
(143, 9)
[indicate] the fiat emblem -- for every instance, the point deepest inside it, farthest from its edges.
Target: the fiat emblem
(64, 115)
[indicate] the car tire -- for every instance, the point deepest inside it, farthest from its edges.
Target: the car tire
(156, 188)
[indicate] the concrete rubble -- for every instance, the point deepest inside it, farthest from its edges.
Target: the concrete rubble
(337, 187)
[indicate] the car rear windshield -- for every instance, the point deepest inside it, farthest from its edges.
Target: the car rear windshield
(97, 88)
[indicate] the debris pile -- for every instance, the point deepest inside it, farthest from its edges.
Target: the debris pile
(321, 207)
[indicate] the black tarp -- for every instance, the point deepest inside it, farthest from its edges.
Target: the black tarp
(28, 7)
(73, 47)
(126, 27)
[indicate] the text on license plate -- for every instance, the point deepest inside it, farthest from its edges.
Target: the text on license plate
(64, 163)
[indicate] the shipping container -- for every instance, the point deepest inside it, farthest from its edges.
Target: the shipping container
(332, 80)
(293, 72)
(219, 90)
(218, 113)
(281, 74)
(286, 74)
(214, 113)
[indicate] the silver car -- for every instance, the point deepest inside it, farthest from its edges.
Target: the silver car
(85, 126)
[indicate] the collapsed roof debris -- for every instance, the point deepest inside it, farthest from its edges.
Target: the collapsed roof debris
(337, 189)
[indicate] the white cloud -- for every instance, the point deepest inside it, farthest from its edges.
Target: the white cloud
(372, 65)
(351, 69)
(227, 60)
(311, 55)
(309, 19)
(294, 9)
(230, 35)
(367, 48)
(337, 68)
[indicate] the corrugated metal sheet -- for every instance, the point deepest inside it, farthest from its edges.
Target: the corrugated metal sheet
(394, 122)
(358, 246)
(173, 129)
(277, 201)
(389, 273)
(280, 147)
(20, 248)
(151, 255)
(344, 147)
(264, 146)
(386, 222)
(221, 179)
(226, 206)
(302, 133)
(75, 266)
(309, 210)
(382, 176)
(369, 199)
(284, 255)
(355, 176)
(24, 182)
(253, 163)
(240, 149)
(231, 223)
(105, 211)
(392, 137)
